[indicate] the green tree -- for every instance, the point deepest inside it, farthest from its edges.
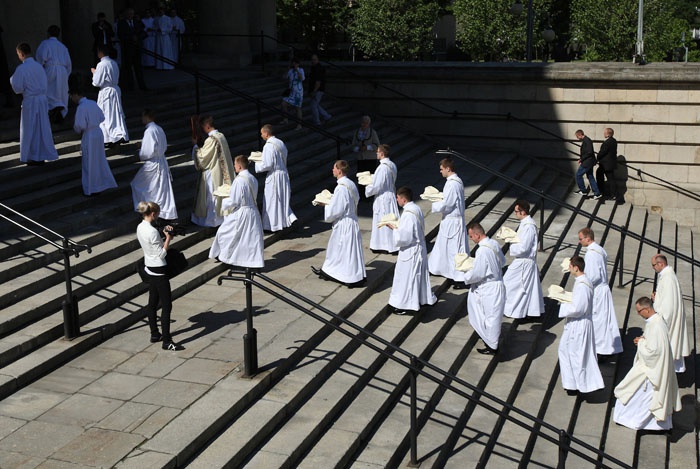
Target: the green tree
(608, 30)
(486, 29)
(313, 22)
(394, 29)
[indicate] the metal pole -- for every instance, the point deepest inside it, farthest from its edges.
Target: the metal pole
(196, 89)
(640, 35)
(262, 49)
(250, 340)
(260, 142)
(623, 233)
(71, 323)
(541, 233)
(413, 432)
(563, 445)
(530, 21)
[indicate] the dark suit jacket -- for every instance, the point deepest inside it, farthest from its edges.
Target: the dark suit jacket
(607, 155)
(98, 35)
(587, 154)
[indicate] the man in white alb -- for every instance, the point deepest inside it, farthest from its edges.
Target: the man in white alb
(648, 395)
(383, 190)
(239, 240)
(276, 212)
(106, 77)
(487, 294)
(54, 57)
(345, 260)
(522, 279)
(452, 237)
(668, 302)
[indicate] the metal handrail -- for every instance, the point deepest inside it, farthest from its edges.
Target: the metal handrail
(67, 247)
(259, 103)
(415, 365)
(623, 230)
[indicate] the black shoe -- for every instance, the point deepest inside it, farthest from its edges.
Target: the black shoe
(156, 337)
(459, 286)
(359, 284)
(321, 274)
(400, 312)
(35, 163)
(487, 350)
(572, 392)
(172, 346)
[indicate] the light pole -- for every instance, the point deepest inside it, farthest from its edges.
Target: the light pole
(639, 49)
(547, 34)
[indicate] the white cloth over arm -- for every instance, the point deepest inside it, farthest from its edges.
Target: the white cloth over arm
(452, 236)
(106, 78)
(487, 294)
(383, 190)
(276, 213)
(35, 137)
(345, 260)
(668, 302)
(411, 285)
(607, 332)
(153, 182)
(578, 363)
(55, 59)
(96, 174)
(522, 279)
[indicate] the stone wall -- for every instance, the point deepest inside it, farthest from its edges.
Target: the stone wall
(653, 110)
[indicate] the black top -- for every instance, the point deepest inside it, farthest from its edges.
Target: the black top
(587, 155)
(318, 73)
(607, 156)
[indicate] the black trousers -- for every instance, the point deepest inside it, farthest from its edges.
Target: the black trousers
(610, 186)
(160, 291)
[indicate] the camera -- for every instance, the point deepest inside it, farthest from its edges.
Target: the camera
(174, 229)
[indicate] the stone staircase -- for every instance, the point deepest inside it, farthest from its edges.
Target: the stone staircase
(321, 398)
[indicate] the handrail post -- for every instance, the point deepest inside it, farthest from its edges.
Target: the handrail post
(413, 432)
(250, 340)
(260, 140)
(563, 445)
(196, 90)
(71, 323)
(262, 49)
(541, 232)
(623, 234)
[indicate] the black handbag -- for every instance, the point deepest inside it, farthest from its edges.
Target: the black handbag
(177, 263)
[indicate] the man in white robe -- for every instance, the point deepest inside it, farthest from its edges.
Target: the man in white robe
(149, 40)
(106, 77)
(668, 302)
(345, 260)
(578, 364)
(35, 138)
(213, 162)
(607, 332)
(522, 279)
(54, 57)
(239, 240)
(383, 188)
(164, 45)
(452, 236)
(648, 395)
(410, 288)
(153, 182)
(96, 174)
(178, 29)
(276, 212)
(487, 294)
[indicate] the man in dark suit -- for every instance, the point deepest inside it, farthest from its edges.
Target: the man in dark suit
(586, 163)
(103, 33)
(130, 31)
(607, 160)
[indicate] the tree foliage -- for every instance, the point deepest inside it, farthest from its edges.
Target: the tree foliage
(394, 29)
(313, 22)
(486, 29)
(608, 30)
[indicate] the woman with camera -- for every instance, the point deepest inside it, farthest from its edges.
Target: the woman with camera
(154, 253)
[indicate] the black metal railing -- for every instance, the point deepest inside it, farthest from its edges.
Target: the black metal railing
(67, 247)
(259, 103)
(566, 442)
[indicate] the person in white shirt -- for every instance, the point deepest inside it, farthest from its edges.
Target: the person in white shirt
(164, 44)
(410, 288)
(239, 240)
(35, 138)
(178, 29)
(452, 236)
(668, 302)
(383, 190)
(345, 260)
(149, 40)
(154, 181)
(96, 174)
(154, 253)
(522, 279)
(276, 211)
(55, 59)
(487, 294)
(648, 395)
(106, 77)
(578, 364)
